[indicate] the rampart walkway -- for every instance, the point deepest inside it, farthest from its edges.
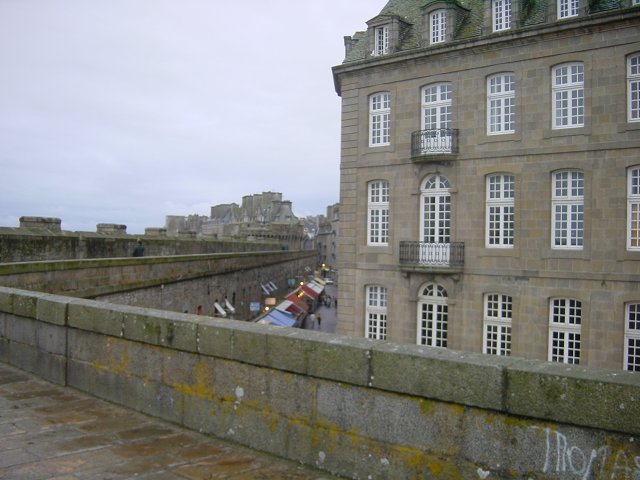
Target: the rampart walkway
(51, 432)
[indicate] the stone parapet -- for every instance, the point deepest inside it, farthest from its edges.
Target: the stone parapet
(354, 407)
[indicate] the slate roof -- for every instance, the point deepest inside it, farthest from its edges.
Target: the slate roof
(531, 12)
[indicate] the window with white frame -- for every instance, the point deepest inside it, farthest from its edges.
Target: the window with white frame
(436, 119)
(438, 23)
(633, 208)
(635, 2)
(501, 15)
(379, 119)
(376, 311)
(433, 316)
(378, 213)
(633, 87)
(500, 209)
(568, 8)
(567, 202)
(632, 337)
(381, 39)
(498, 313)
(501, 100)
(565, 321)
(568, 95)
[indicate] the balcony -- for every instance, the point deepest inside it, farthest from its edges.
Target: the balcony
(434, 144)
(431, 257)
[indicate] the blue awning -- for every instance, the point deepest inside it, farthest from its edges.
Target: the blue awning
(276, 317)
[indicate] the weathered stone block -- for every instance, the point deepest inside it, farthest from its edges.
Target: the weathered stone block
(6, 300)
(343, 359)
(215, 337)
(250, 342)
(24, 303)
(21, 330)
(52, 309)
(575, 395)
(160, 328)
(96, 317)
(51, 338)
(289, 349)
(440, 374)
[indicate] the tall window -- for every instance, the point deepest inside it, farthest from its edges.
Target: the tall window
(433, 316)
(501, 15)
(381, 46)
(568, 95)
(568, 8)
(379, 119)
(632, 337)
(501, 99)
(500, 210)
(564, 330)
(378, 213)
(633, 208)
(436, 118)
(438, 22)
(633, 87)
(376, 311)
(567, 202)
(498, 310)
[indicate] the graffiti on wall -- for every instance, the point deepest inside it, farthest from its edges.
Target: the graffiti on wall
(563, 457)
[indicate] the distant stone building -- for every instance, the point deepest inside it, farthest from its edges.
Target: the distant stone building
(327, 236)
(261, 217)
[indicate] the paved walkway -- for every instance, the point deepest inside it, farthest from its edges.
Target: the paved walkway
(51, 432)
(329, 315)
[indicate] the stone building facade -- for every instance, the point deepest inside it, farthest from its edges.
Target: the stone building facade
(326, 239)
(490, 178)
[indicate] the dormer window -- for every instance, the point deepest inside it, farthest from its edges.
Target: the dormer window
(438, 26)
(568, 8)
(442, 20)
(501, 15)
(381, 41)
(385, 34)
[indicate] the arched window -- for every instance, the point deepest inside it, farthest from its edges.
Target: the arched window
(433, 316)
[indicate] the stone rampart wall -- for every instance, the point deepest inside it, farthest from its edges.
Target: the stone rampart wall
(38, 244)
(177, 283)
(354, 407)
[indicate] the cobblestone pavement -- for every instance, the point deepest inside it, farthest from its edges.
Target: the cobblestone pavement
(51, 432)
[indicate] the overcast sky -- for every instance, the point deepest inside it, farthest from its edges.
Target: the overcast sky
(124, 111)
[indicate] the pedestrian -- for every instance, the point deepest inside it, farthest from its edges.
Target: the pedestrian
(312, 320)
(199, 310)
(319, 318)
(138, 250)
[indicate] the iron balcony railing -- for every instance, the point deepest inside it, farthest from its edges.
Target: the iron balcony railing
(434, 142)
(424, 254)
